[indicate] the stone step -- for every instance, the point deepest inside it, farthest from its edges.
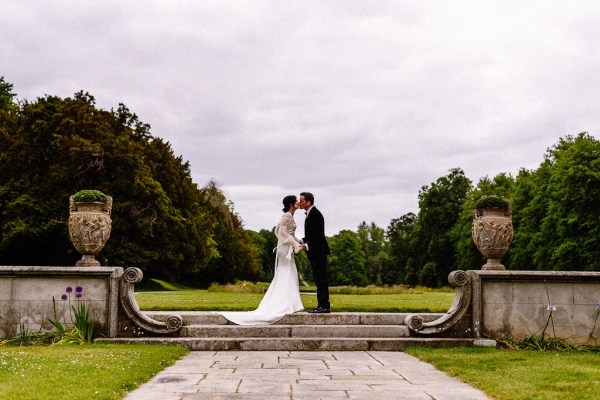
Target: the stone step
(299, 318)
(297, 331)
(295, 344)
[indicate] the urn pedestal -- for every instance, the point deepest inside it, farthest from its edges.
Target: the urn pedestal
(492, 232)
(89, 229)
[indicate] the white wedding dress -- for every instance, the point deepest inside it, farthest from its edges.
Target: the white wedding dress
(283, 295)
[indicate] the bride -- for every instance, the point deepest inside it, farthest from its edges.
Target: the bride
(283, 295)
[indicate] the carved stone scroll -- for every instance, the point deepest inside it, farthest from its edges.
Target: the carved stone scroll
(462, 282)
(130, 277)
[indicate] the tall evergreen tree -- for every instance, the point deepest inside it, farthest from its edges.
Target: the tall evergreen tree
(56, 147)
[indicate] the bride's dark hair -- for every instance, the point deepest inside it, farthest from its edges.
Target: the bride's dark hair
(288, 202)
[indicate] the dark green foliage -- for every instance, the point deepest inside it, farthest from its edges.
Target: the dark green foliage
(264, 242)
(347, 260)
(6, 94)
(89, 196)
(555, 213)
(398, 235)
(491, 201)
(372, 243)
(439, 208)
(428, 275)
(557, 225)
(410, 273)
(54, 147)
(237, 258)
(171, 229)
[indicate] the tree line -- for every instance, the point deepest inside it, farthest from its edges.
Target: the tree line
(171, 228)
(163, 223)
(556, 219)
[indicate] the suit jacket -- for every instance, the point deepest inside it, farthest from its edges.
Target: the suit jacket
(314, 234)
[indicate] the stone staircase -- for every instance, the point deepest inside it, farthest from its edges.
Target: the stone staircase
(210, 331)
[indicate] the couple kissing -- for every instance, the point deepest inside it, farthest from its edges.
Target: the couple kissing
(283, 295)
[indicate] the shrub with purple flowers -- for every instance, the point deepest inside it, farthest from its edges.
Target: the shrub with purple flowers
(83, 326)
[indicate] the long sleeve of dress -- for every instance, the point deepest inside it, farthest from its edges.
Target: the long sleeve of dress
(285, 232)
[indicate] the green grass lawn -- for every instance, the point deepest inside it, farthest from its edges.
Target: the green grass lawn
(110, 371)
(197, 300)
(80, 372)
(245, 296)
(520, 374)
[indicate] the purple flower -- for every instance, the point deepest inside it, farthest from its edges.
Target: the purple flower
(598, 307)
(79, 289)
(551, 307)
(69, 289)
(78, 295)
(63, 297)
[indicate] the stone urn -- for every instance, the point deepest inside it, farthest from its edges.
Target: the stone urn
(492, 232)
(89, 228)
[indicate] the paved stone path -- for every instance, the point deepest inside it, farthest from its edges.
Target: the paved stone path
(298, 375)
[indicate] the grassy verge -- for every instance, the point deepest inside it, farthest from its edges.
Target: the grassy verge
(80, 372)
(196, 300)
(520, 374)
(160, 285)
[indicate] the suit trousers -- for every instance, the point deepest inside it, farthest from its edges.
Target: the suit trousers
(320, 275)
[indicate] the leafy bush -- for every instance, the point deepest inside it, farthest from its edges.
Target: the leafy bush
(492, 201)
(89, 196)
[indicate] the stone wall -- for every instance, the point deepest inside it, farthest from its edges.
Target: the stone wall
(26, 295)
(515, 304)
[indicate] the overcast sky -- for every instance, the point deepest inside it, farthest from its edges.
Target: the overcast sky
(360, 102)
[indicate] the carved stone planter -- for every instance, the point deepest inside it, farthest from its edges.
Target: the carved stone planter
(492, 233)
(89, 229)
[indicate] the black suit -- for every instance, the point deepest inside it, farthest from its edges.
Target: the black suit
(318, 250)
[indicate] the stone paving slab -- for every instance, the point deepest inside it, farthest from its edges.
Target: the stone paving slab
(298, 375)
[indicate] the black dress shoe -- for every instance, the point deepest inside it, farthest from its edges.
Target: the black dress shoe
(320, 310)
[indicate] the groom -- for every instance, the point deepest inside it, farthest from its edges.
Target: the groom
(317, 249)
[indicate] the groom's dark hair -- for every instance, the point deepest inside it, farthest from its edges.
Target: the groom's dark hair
(308, 197)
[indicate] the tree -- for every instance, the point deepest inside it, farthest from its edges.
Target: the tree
(559, 229)
(56, 147)
(6, 94)
(347, 260)
(439, 208)
(398, 234)
(238, 258)
(529, 208)
(264, 242)
(372, 242)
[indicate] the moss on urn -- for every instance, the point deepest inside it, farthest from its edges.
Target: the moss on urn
(90, 196)
(492, 201)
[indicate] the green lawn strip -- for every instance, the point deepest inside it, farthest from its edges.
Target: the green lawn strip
(80, 372)
(520, 374)
(195, 300)
(160, 285)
